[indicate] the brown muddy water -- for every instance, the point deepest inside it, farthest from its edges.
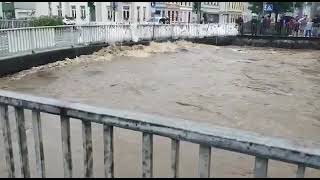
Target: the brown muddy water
(274, 92)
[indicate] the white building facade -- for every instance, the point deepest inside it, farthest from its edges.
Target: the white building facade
(1, 12)
(100, 12)
(210, 12)
(77, 10)
(177, 12)
(230, 11)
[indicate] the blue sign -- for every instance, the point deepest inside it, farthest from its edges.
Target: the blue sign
(268, 7)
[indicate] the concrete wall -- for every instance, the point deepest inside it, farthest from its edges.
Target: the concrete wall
(278, 42)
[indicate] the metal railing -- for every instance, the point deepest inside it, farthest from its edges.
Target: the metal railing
(207, 136)
(276, 29)
(7, 24)
(41, 38)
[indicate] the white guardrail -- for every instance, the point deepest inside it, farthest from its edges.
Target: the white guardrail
(17, 40)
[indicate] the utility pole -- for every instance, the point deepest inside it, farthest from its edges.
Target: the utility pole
(263, 5)
(50, 9)
(293, 8)
(60, 9)
(114, 11)
(199, 12)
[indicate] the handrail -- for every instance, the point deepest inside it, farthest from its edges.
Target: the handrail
(98, 25)
(31, 39)
(290, 151)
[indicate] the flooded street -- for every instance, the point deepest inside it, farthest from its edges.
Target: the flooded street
(275, 92)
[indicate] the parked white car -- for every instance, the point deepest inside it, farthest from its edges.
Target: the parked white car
(67, 21)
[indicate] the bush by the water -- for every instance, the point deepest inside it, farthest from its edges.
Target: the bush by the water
(47, 21)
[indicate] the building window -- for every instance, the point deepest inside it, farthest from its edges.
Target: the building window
(73, 11)
(177, 14)
(109, 13)
(59, 11)
(169, 15)
(189, 17)
(144, 13)
(126, 12)
(83, 12)
(163, 13)
(138, 13)
(172, 13)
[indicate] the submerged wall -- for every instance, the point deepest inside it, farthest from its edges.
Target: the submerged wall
(277, 42)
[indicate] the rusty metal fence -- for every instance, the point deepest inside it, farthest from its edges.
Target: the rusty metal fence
(207, 136)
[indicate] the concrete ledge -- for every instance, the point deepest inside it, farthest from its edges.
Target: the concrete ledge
(278, 42)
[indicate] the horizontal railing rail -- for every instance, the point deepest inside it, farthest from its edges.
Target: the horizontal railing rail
(306, 154)
(30, 39)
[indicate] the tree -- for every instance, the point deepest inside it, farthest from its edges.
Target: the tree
(256, 7)
(197, 8)
(278, 7)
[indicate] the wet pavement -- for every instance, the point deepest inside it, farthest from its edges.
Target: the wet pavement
(274, 92)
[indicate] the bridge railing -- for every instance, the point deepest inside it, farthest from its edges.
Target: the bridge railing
(30, 39)
(207, 136)
(7, 24)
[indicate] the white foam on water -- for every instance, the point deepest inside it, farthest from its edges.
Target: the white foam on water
(108, 53)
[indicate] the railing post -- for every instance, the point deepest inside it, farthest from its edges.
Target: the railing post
(66, 146)
(37, 132)
(147, 155)
(22, 142)
(33, 46)
(7, 140)
(175, 152)
(301, 171)
(108, 151)
(261, 167)
(72, 35)
(87, 149)
(204, 161)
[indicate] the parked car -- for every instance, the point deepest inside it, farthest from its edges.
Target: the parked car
(68, 21)
(159, 20)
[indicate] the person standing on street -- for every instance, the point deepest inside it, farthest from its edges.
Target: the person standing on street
(302, 25)
(296, 28)
(239, 22)
(254, 25)
(308, 28)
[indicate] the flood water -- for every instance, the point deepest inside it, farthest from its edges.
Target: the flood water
(274, 92)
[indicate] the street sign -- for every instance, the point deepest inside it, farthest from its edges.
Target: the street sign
(153, 5)
(268, 7)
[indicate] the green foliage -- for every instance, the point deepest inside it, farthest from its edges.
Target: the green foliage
(196, 6)
(256, 7)
(47, 21)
